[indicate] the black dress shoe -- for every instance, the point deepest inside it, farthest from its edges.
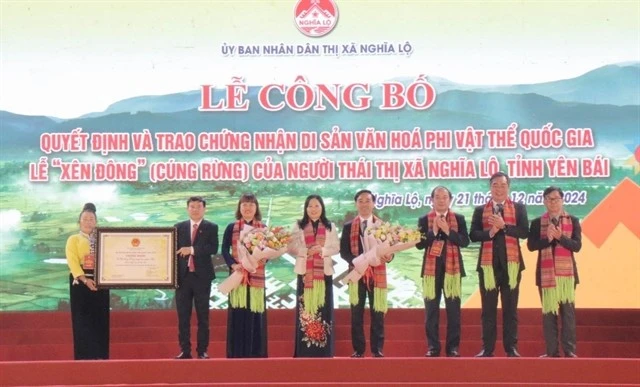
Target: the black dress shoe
(453, 353)
(513, 353)
(432, 353)
(569, 354)
(378, 354)
(202, 355)
(357, 354)
(484, 353)
(184, 355)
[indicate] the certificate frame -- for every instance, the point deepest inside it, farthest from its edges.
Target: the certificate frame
(136, 257)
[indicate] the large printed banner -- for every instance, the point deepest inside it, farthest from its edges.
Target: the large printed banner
(135, 106)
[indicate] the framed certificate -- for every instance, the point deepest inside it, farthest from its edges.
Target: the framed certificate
(136, 258)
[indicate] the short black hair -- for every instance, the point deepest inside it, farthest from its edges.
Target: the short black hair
(552, 188)
(433, 192)
(364, 191)
(499, 174)
(197, 199)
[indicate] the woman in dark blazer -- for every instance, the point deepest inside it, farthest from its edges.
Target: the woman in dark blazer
(247, 317)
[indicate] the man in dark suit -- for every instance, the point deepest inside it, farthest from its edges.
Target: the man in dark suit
(498, 225)
(556, 236)
(197, 242)
(442, 269)
(372, 284)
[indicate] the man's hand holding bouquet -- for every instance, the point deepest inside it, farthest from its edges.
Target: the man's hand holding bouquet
(380, 242)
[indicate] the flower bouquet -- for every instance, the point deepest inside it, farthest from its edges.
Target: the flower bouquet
(382, 239)
(256, 245)
(265, 243)
(391, 239)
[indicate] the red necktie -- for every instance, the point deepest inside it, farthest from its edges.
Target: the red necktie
(192, 266)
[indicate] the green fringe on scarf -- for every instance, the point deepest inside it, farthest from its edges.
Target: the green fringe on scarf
(353, 293)
(563, 293)
(379, 297)
(566, 289)
(256, 299)
(238, 297)
(452, 286)
(314, 297)
(380, 300)
(429, 287)
(513, 269)
(489, 277)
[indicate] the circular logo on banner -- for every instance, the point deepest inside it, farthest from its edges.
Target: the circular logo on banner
(316, 18)
(135, 242)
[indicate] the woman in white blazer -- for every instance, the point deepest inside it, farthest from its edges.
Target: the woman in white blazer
(316, 242)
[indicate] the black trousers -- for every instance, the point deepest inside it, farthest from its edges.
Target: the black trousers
(193, 291)
(357, 321)
(90, 321)
(567, 313)
(509, 301)
(432, 310)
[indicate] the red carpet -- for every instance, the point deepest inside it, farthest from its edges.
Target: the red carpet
(36, 349)
(287, 371)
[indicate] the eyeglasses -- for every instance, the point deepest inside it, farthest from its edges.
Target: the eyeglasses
(553, 200)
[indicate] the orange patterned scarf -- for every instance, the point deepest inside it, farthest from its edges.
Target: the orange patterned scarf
(256, 279)
(314, 285)
(513, 256)
(556, 267)
(254, 283)
(378, 274)
(452, 286)
(315, 264)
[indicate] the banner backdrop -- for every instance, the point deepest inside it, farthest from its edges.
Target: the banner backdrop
(135, 106)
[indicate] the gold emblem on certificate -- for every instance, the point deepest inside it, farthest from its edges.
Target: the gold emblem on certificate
(136, 258)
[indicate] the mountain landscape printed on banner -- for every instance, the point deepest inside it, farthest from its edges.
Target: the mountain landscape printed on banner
(608, 85)
(38, 217)
(605, 99)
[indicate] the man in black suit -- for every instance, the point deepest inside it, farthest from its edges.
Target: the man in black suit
(498, 225)
(197, 242)
(373, 283)
(442, 269)
(556, 236)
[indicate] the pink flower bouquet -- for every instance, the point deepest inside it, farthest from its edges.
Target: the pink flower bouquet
(256, 245)
(382, 239)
